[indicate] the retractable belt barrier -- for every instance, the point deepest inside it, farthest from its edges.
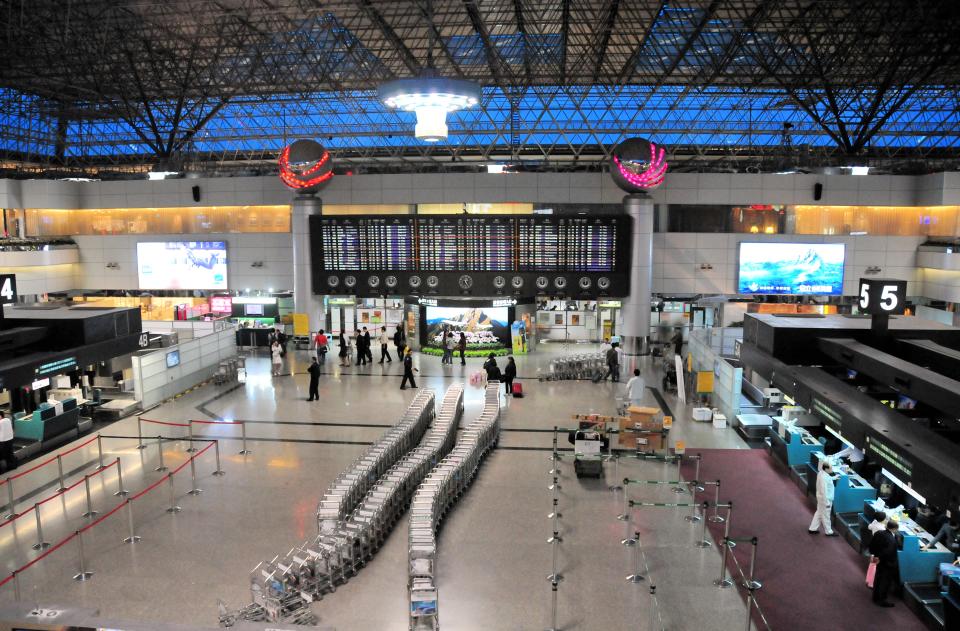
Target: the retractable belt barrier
(47, 549)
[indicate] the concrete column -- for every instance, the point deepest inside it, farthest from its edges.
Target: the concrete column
(304, 300)
(635, 313)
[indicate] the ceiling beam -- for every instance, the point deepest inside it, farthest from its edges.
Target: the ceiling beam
(409, 60)
(610, 21)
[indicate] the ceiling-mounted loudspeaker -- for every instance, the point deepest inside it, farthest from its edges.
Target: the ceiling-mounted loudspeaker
(196, 193)
(817, 191)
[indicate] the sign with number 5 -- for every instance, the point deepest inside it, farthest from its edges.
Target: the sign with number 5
(882, 296)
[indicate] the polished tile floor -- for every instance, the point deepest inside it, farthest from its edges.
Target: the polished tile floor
(493, 552)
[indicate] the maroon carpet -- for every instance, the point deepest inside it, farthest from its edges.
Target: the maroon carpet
(809, 582)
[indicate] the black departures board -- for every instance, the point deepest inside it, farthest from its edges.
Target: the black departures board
(575, 256)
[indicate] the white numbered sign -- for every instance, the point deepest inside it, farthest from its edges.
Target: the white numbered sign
(8, 289)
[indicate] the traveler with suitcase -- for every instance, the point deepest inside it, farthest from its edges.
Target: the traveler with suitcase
(509, 373)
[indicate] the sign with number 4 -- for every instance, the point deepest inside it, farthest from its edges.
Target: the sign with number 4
(8, 289)
(882, 296)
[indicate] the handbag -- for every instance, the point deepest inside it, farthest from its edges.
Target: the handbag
(871, 572)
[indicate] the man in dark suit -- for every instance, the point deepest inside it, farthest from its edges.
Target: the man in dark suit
(883, 547)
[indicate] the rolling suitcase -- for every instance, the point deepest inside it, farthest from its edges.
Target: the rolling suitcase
(517, 389)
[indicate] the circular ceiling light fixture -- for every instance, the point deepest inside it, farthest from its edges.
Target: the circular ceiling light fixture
(432, 98)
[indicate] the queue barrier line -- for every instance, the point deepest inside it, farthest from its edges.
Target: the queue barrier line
(171, 424)
(47, 461)
(17, 516)
(76, 533)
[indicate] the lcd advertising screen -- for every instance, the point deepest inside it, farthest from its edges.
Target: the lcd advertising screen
(791, 268)
(173, 359)
(486, 328)
(182, 264)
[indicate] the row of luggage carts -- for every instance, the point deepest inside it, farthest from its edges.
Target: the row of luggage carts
(233, 370)
(356, 513)
(577, 366)
(436, 495)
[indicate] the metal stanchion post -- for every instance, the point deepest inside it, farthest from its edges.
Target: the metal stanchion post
(90, 512)
(11, 509)
(140, 444)
(555, 576)
(133, 538)
(704, 543)
(553, 606)
(554, 455)
(191, 448)
(636, 577)
(625, 515)
(120, 490)
(16, 585)
(628, 539)
(83, 574)
(63, 485)
(616, 473)
(216, 450)
(749, 608)
(193, 478)
(752, 583)
(653, 610)
(693, 517)
(243, 432)
(696, 474)
(173, 500)
(99, 453)
(679, 488)
(556, 514)
(717, 519)
(40, 544)
(161, 466)
(555, 486)
(723, 581)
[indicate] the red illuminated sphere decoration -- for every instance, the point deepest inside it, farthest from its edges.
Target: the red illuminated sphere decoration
(638, 165)
(305, 166)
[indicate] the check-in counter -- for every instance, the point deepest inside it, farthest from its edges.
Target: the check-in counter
(916, 565)
(44, 425)
(793, 445)
(850, 490)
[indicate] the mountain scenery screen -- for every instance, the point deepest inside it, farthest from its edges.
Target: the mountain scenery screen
(182, 264)
(791, 268)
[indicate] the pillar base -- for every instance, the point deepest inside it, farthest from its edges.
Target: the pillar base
(634, 346)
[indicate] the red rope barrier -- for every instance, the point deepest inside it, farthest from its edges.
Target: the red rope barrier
(218, 422)
(48, 461)
(146, 420)
(67, 539)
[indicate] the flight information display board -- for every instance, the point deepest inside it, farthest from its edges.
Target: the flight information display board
(367, 243)
(567, 244)
(575, 254)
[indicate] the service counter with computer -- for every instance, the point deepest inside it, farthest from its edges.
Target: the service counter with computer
(57, 366)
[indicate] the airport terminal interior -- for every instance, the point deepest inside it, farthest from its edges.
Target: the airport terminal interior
(569, 315)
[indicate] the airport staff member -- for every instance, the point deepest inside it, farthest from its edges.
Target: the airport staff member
(6, 444)
(824, 500)
(408, 370)
(853, 455)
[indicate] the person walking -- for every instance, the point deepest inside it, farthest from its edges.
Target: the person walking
(509, 374)
(6, 444)
(344, 349)
(613, 364)
(462, 347)
(276, 354)
(448, 345)
(635, 388)
(320, 343)
(883, 548)
(824, 500)
(384, 343)
(358, 344)
(399, 341)
(493, 371)
(408, 370)
(367, 346)
(314, 371)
